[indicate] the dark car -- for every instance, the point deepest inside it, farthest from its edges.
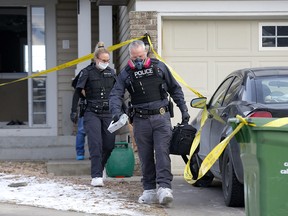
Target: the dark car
(253, 92)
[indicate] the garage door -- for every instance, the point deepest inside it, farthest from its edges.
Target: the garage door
(203, 52)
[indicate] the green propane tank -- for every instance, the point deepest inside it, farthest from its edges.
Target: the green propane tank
(121, 161)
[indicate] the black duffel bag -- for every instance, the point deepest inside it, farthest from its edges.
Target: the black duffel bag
(182, 138)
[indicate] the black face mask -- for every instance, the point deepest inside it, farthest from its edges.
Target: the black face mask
(138, 63)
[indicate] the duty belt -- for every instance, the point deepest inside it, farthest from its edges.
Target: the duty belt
(99, 107)
(144, 112)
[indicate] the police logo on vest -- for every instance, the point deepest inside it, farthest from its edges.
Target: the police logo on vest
(143, 73)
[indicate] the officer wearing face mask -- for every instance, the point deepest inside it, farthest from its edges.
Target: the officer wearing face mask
(97, 80)
(149, 83)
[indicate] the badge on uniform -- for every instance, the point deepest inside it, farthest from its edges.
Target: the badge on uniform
(162, 111)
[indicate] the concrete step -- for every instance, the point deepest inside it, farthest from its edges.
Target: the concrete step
(79, 167)
(69, 167)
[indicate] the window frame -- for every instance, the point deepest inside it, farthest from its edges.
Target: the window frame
(51, 126)
(275, 24)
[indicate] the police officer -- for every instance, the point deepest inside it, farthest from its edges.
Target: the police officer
(149, 82)
(97, 80)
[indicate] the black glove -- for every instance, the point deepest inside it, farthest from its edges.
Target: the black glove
(185, 118)
(74, 117)
(116, 117)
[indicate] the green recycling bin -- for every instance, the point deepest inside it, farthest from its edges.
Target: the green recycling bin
(121, 161)
(264, 154)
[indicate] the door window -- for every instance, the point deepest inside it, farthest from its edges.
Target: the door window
(232, 91)
(218, 97)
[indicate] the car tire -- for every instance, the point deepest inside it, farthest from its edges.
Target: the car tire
(233, 190)
(207, 179)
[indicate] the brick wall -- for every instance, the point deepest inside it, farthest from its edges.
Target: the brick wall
(142, 22)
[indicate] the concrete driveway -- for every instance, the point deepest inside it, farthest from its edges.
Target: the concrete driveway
(190, 200)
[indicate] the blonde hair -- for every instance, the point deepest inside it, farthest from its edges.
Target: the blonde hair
(99, 49)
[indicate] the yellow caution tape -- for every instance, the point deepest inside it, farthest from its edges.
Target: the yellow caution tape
(187, 172)
(200, 104)
(71, 63)
(277, 123)
(211, 158)
(175, 75)
(216, 152)
(188, 176)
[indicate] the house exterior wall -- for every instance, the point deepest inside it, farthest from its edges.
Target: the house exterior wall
(66, 22)
(134, 20)
(95, 26)
(67, 30)
(142, 22)
(123, 32)
(62, 144)
(133, 24)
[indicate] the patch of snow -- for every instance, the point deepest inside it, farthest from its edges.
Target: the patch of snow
(64, 196)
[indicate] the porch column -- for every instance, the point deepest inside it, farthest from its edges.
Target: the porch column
(84, 32)
(106, 28)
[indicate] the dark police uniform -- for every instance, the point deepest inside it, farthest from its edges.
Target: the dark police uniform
(148, 89)
(97, 85)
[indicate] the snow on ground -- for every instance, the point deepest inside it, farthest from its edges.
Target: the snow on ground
(65, 196)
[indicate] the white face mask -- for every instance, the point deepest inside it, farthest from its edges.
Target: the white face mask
(102, 65)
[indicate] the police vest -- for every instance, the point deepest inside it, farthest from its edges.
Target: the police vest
(99, 84)
(145, 85)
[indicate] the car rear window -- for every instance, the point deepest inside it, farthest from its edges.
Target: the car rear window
(272, 90)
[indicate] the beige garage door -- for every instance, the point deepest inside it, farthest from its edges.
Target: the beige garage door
(203, 52)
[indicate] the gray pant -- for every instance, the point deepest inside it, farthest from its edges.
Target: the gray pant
(154, 134)
(100, 141)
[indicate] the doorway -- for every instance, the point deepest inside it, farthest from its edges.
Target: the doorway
(22, 53)
(13, 40)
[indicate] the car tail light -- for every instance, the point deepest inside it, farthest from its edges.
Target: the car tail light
(261, 114)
